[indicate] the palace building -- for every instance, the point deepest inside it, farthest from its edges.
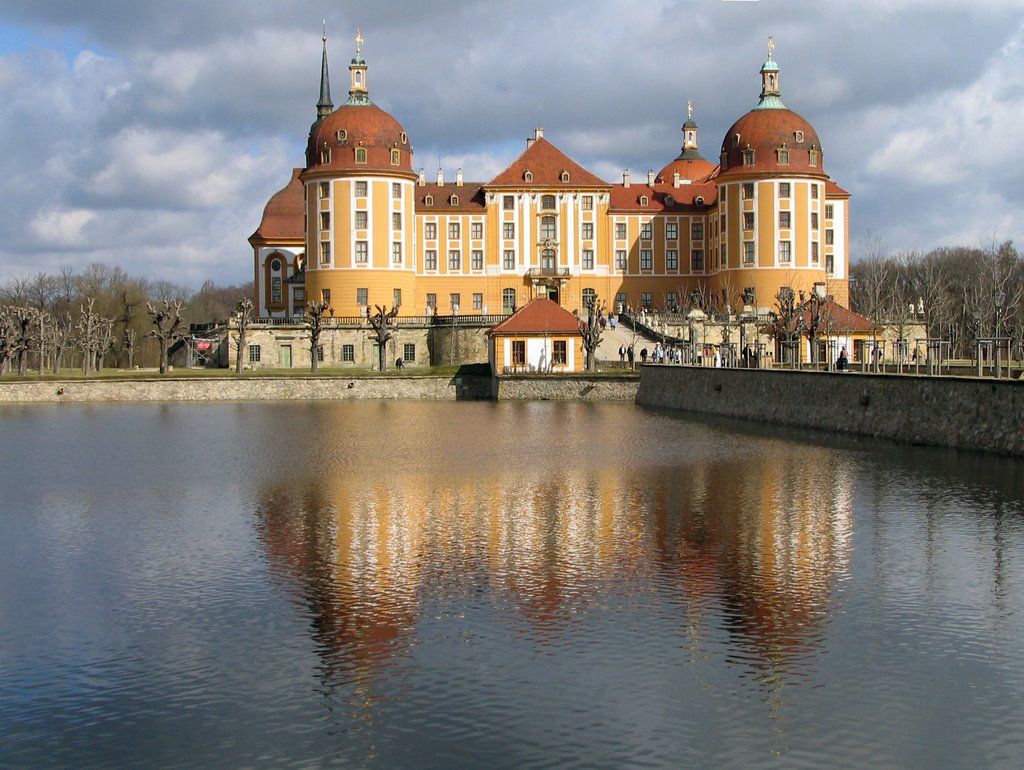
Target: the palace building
(357, 227)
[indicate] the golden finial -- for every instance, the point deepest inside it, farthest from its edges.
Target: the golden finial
(771, 47)
(359, 40)
(689, 109)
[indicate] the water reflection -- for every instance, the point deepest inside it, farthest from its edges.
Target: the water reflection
(542, 529)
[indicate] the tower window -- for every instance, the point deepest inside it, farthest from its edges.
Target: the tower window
(342, 135)
(783, 189)
(360, 155)
(748, 157)
(396, 157)
(783, 155)
(361, 188)
(812, 157)
(325, 154)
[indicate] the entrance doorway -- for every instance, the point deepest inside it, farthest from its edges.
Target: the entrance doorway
(553, 294)
(286, 356)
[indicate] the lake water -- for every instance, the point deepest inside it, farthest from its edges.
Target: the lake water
(513, 585)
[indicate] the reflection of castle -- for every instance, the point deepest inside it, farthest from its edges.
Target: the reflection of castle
(747, 543)
(358, 227)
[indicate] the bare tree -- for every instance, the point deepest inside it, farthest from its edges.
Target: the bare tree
(26, 323)
(166, 317)
(7, 338)
(90, 328)
(243, 317)
(592, 329)
(382, 324)
(59, 338)
(313, 315)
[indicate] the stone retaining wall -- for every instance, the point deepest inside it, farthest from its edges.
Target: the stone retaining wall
(578, 387)
(966, 413)
(247, 389)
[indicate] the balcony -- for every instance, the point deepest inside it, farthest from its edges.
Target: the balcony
(548, 272)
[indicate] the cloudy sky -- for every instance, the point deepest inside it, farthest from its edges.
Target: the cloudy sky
(149, 135)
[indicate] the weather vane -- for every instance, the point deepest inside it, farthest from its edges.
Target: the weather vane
(359, 40)
(771, 46)
(689, 109)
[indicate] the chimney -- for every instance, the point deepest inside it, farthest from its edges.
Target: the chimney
(650, 178)
(423, 177)
(458, 177)
(440, 177)
(625, 178)
(675, 179)
(538, 133)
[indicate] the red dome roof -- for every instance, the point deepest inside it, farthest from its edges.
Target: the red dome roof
(358, 126)
(695, 169)
(770, 133)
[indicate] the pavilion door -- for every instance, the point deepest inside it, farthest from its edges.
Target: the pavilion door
(286, 356)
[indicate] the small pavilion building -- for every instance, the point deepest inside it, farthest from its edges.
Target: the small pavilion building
(540, 337)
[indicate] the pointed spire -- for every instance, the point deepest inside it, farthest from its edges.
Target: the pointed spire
(689, 149)
(324, 107)
(358, 92)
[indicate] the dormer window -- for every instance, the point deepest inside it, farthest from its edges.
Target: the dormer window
(528, 176)
(564, 176)
(644, 200)
(699, 200)
(428, 201)
(670, 201)
(325, 154)
(454, 200)
(735, 140)
(812, 157)
(748, 157)
(360, 155)
(783, 155)
(342, 135)
(396, 157)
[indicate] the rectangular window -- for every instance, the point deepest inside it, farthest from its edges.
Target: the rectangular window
(783, 189)
(275, 289)
(829, 211)
(748, 252)
(476, 259)
(325, 296)
(348, 353)
(361, 189)
(508, 260)
(454, 259)
(432, 301)
(254, 354)
(697, 231)
(396, 221)
(588, 230)
(814, 220)
(620, 259)
(396, 253)
(748, 220)
(671, 301)
(453, 230)
(325, 253)
(476, 230)
(478, 301)
(508, 299)
(409, 352)
(430, 231)
(645, 231)
(362, 297)
(325, 220)
(671, 230)
(645, 298)
(320, 353)
(362, 251)
(748, 190)
(620, 300)
(671, 259)
(325, 189)
(620, 230)
(587, 203)
(588, 259)
(829, 265)
(784, 220)
(508, 202)
(396, 190)
(455, 300)
(646, 259)
(559, 355)
(814, 252)
(785, 253)
(548, 228)
(396, 297)
(518, 352)
(430, 260)
(508, 230)
(697, 260)
(360, 220)
(828, 237)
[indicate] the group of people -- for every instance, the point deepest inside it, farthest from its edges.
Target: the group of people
(660, 355)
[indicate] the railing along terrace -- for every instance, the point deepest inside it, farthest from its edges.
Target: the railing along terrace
(402, 320)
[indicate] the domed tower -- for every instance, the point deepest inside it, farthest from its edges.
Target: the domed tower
(772, 203)
(690, 165)
(359, 187)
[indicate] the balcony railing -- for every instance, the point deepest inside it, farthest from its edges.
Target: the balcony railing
(559, 272)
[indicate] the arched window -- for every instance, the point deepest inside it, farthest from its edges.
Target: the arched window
(564, 176)
(325, 154)
(643, 200)
(360, 155)
(528, 176)
(396, 157)
(428, 201)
